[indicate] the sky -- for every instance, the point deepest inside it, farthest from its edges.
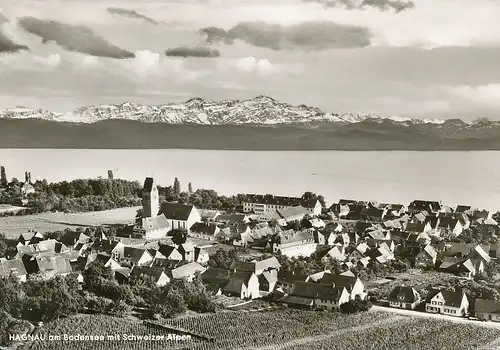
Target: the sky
(428, 58)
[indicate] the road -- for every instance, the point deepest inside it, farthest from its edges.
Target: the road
(411, 313)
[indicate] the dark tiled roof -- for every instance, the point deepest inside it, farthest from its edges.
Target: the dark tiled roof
(338, 280)
(134, 254)
(402, 293)
(204, 228)
(288, 277)
(216, 276)
(236, 281)
(453, 299)
(462, 208)
(147, 271)
(174, 211)
(148, 184)
(316, 291)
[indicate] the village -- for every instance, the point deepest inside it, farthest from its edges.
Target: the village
(351, 249)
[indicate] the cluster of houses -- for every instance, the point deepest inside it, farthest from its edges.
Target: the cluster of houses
(445, 302)
(354, 233)
(255, 279)
(75, 251)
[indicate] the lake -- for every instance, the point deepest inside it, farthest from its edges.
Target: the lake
(398, 176)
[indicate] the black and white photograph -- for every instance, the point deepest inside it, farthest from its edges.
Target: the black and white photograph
(250, 174)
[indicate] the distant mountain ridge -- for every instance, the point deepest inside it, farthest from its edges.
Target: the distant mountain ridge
(261, 110)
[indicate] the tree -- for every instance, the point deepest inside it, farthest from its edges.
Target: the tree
(354, 306)
(3, 177)
(177, 186)
(179, 235)
(110, 175)
(3, 245)
(190, 189)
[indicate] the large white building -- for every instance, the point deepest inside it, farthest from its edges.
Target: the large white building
(263, 203)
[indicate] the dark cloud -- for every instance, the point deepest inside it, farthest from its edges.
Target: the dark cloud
(130, 14)
(7, 45)
(185, 51)
(73, 38)
(383, 5)
(306, 35)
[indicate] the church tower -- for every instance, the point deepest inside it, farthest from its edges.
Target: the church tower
(150, 198)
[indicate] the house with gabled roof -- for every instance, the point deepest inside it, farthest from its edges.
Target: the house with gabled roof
(48, 265)
(419, 217)
(170, 252)
(233, 219)
(353, 284)
(268, 280)
(208, 215)
(106, 260)
(458, 266)
(423, 205)
(323, 237)
(201, 256)
(158, 276)
(13, 267)
(30, 237)
(180, 216)
(257, 267)
(286, 280)
(449, 225)
(463, 209)
(187, 251)
(291, 214)
(488, 310)
(447, 302)
(372, 214)
(404, 297)
(204, 230)
(153, 227)
(295, 244)
(243, 284)
(337, 252)
(111, 247)
(187, 271)
(316, 295)
(136, 257)
(427, 257)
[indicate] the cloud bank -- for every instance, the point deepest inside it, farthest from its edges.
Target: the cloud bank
(309, 35)
(73, 38)
(9, 46)
(131, 14)
(383, 5)
(198, 51)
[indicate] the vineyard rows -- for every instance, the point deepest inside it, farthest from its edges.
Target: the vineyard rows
(242, 329)
(410, 334)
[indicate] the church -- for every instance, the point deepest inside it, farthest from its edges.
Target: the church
(158, 220)
(153, 226)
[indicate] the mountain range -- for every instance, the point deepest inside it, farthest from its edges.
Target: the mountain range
(261, 123)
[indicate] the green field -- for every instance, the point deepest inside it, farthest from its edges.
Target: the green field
(13, 226)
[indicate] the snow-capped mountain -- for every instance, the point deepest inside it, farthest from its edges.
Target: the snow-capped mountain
(259, 110)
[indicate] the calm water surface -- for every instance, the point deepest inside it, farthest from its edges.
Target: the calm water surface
(453, 177)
